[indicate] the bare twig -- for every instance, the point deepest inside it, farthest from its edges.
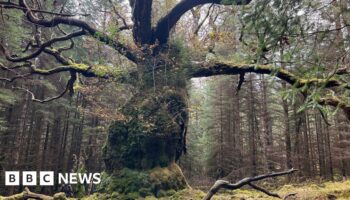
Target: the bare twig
(42, 46)
(28, 46)
(11, 5)
(73, 22)
(125, 24)
(17, 75)
(69, 87)
(204, 19)
(166, 23)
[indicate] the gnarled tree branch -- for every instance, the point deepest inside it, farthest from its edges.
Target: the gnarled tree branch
(264, 190)
(162, 30)
(57, 20)
(125, 24)
(10, 5)
(69, 87)
(221, 184)
(220, 68)
(42, 47)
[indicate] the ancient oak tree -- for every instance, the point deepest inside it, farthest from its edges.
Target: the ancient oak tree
(152, 132)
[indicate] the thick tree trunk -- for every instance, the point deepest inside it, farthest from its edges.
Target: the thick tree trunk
(151, 137)
(142, 17)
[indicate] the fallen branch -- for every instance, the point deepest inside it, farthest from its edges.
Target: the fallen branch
(246, 181)
(27, 194)
(263, 190)
(289, 195)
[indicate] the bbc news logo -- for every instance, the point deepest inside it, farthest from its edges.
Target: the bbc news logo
(47, 178)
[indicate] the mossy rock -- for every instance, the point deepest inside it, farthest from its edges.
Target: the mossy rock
(133, 184)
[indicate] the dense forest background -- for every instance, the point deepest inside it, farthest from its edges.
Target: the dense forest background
(257, 131)
(238, 126)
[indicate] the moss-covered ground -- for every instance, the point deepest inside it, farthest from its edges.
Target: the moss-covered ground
(306, 191)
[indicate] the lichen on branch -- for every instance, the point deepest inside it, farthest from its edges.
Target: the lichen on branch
(228, 68)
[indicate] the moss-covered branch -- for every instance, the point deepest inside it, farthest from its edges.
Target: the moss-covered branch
(86, 70)
(98, 71)
(73, 69)
(222, 68)
(226, 68)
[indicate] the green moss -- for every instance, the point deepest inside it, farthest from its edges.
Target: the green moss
(13, 197)
(79, 66)
(150, 198)
(187, 194)
(7, 97)
(307, 191)
(104, 70)
(101, 196)
(60, 196)
(151, 135)
(141, 150)
(154, 182)
(131, 196)
(98, 70)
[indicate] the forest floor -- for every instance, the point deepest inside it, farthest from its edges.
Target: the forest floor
(310, 191)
